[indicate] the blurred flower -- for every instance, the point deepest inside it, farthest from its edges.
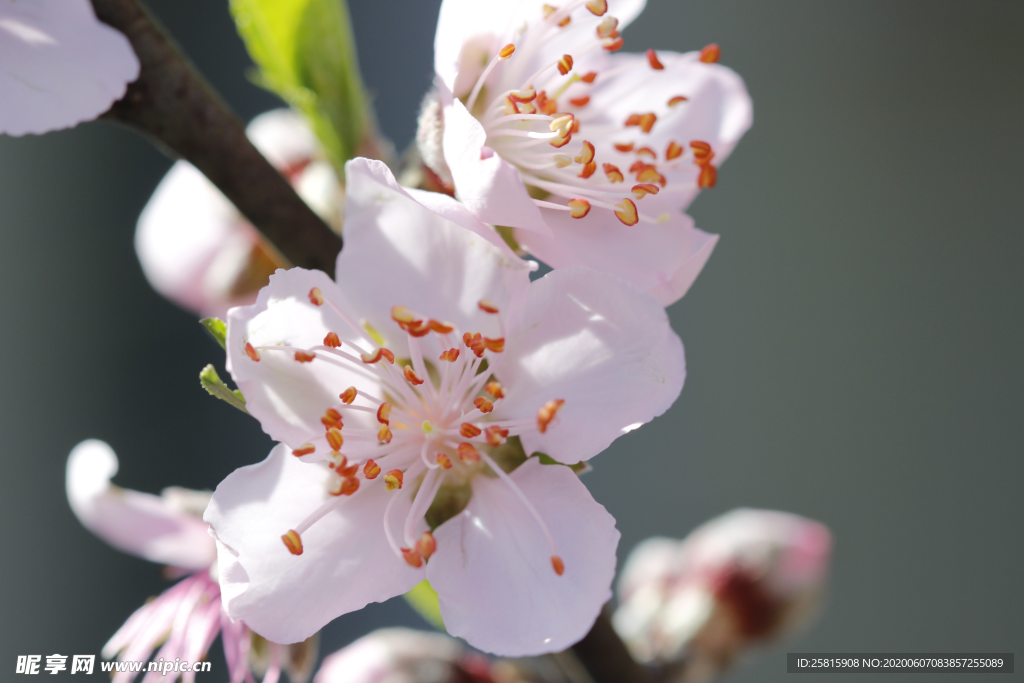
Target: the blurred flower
(187, 617)
(546, 131)
(399, 655)
(573, 361)
(62, 65)
(744, 578)
(199, 251)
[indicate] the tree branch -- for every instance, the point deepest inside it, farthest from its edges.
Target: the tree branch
(604, 655)
(174, 104)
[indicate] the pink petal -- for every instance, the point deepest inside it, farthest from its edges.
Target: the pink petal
(599, 344)
(493, 572)
(61, 65)
(138, 523)
(346, 561)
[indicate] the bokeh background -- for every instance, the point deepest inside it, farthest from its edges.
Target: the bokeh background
(854, 345)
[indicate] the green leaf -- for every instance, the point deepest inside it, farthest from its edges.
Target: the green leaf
(306, 54)
(423, 599)
(213, 384)
(578, 468)
(217, 329)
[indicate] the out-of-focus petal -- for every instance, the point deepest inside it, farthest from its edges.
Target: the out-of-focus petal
(138, 523)
(493, 569)
(395, 655)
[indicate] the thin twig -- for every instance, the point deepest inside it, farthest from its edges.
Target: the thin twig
(172, 103)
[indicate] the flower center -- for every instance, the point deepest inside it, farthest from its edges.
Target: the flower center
(432, 421)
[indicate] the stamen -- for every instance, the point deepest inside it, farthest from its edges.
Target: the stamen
(469, 431)
(565, 64)
(393, 480)
(344, 487)
(384, 413)
(589, 77)
(495, 345)
(316, 297)
(467, 453)
(613, 45)
(293, 542)
(487, 306)
(708, 177)
(597, 7)
(579, 208)
(332, 418)
(411, 376)
(483, 405)
(674, 151)
(580, 101)
(440, 327)
(332, 340)
(588, 170)
(613, 173)
(338, 461)
(495, 435)
(677, 99)
(642, 190)
(426, 546)
(384, 434)
(451, 355)
(334, 439)
(549, 10)
(623, 146)
(608, 28)
(304, 449)
(252, 353)
(444, 461)
(562, 160)
(548, 411)
(627, 213)
(348, 396)
(503, 54)
(412, 558)
(304, 357)
(586, 155)
(710, 54)
(495, 389)
(371, 469)
(644, 121)
(647, 151)
(652, 59)
(381, 352)
(557, 564)
(506, 52)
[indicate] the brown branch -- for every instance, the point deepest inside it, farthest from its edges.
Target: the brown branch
(173, 104)
(604, 655)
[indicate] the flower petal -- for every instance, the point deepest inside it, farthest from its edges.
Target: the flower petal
(488, 185)
(138, 523)
(492, 569)
(662, 260)
(286, 396)
(599, 344)
(346, 562)
(62, 66)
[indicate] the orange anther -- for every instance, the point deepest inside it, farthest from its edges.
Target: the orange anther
(371, 358)
(389, 356)
(451, 355)
(674, 151)
(677, 99)
(332, 340)
(444, 461)
(349, 485)
(578, 208)
(510, 107)
(523, 96)
(608, 28)
(371, 469)
(332, 418)
(626, 212)
(495, 389)
(426, 545)
(304, 357)
(644, 121)
(412, 558)
(252, 352)
(393, 480)
(483, 405)
(468, 430)
(545, 105)
(495, 435)
(580, 101)
(418, 328)
(487, 306)
(708, 176)
(468, 337)
(561, 124)
(558, 143)
(650, 174)
(440, 327)
(586, 155)
(557, 565)
(338, 461)
(293, 542)
(565, 64)
(316, 297)
(411, 377)
(561, 160)
(597, 7)
(334, 439)
(652, 59)
(587, 170)
(548, 411)
(402, 315)
(467, 453)
(384, 413)
(496, 345)
(642, 190)
(612, 172)
(710, 54)
(506, 52)
(613, 45)
(304, 449)
(647, 151)
(348, 395)
(384, 434)
(624, 146)
(349, 471)
(589, 77)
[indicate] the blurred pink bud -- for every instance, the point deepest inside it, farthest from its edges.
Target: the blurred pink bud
(747, 577)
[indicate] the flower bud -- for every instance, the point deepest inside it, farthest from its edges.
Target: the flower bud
(747, 577)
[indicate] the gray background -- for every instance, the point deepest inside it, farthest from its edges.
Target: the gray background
(854, 345)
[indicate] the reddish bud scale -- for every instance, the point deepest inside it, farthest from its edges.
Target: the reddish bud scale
(467, 453)
(710, 54)
(652, 59)
(426, 546)
(483, 405)
(487, 306)
(334, 439)
(411, 377)
(332, 418)
(444, 461)
(332, 340)
(468, 430)
(578, 208)
(412, 558)
(304, 357)
(304, 449)
(371, 469)
(393, 480)
(495, 389)
(613, 173)
(252, 352)
(316, 297)
(293, 542)
(348, 396)
(557, 564)
(548, 411)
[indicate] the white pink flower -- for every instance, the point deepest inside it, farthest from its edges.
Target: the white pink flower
(744, 578)
(380, 379)
(185, 619)
(197, 250)
(590, 155)
(61, 65)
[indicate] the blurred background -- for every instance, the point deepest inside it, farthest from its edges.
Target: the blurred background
(854, 345)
